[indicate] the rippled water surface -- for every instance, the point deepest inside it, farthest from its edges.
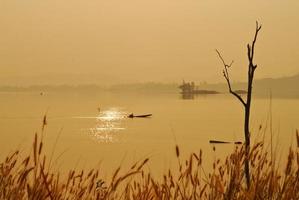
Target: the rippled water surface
(87, 129)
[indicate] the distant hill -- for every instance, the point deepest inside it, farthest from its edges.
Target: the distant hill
(148, 87)
(280, 87)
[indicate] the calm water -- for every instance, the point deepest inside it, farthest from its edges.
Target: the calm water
(89, 138)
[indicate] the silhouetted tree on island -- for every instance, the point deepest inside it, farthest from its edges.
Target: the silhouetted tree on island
(251, 69)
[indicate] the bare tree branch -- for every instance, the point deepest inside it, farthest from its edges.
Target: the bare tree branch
(225, 65)
(250, 49)
(247, 105)
(226, 76)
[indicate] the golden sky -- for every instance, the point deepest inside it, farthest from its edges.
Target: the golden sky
(120, 41)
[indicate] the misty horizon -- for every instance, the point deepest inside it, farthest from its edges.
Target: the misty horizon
(285, 87)
(94, 79)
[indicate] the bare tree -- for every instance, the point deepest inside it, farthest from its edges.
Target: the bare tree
(247, 104)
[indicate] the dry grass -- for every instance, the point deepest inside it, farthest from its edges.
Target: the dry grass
(30, 178)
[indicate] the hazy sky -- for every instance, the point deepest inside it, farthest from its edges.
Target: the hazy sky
(118, 41)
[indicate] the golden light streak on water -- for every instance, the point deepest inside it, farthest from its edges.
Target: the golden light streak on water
(108, 125)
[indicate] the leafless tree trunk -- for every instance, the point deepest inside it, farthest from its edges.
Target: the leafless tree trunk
(247, 104)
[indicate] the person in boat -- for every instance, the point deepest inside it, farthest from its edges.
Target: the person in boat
(131, 115)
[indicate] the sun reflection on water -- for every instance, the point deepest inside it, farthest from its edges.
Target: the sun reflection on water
(108, 125)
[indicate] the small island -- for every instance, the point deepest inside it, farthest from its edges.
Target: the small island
(189, 88)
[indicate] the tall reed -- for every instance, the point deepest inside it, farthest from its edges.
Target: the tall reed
(32, 178)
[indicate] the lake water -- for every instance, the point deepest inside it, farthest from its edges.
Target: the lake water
(88, 138)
